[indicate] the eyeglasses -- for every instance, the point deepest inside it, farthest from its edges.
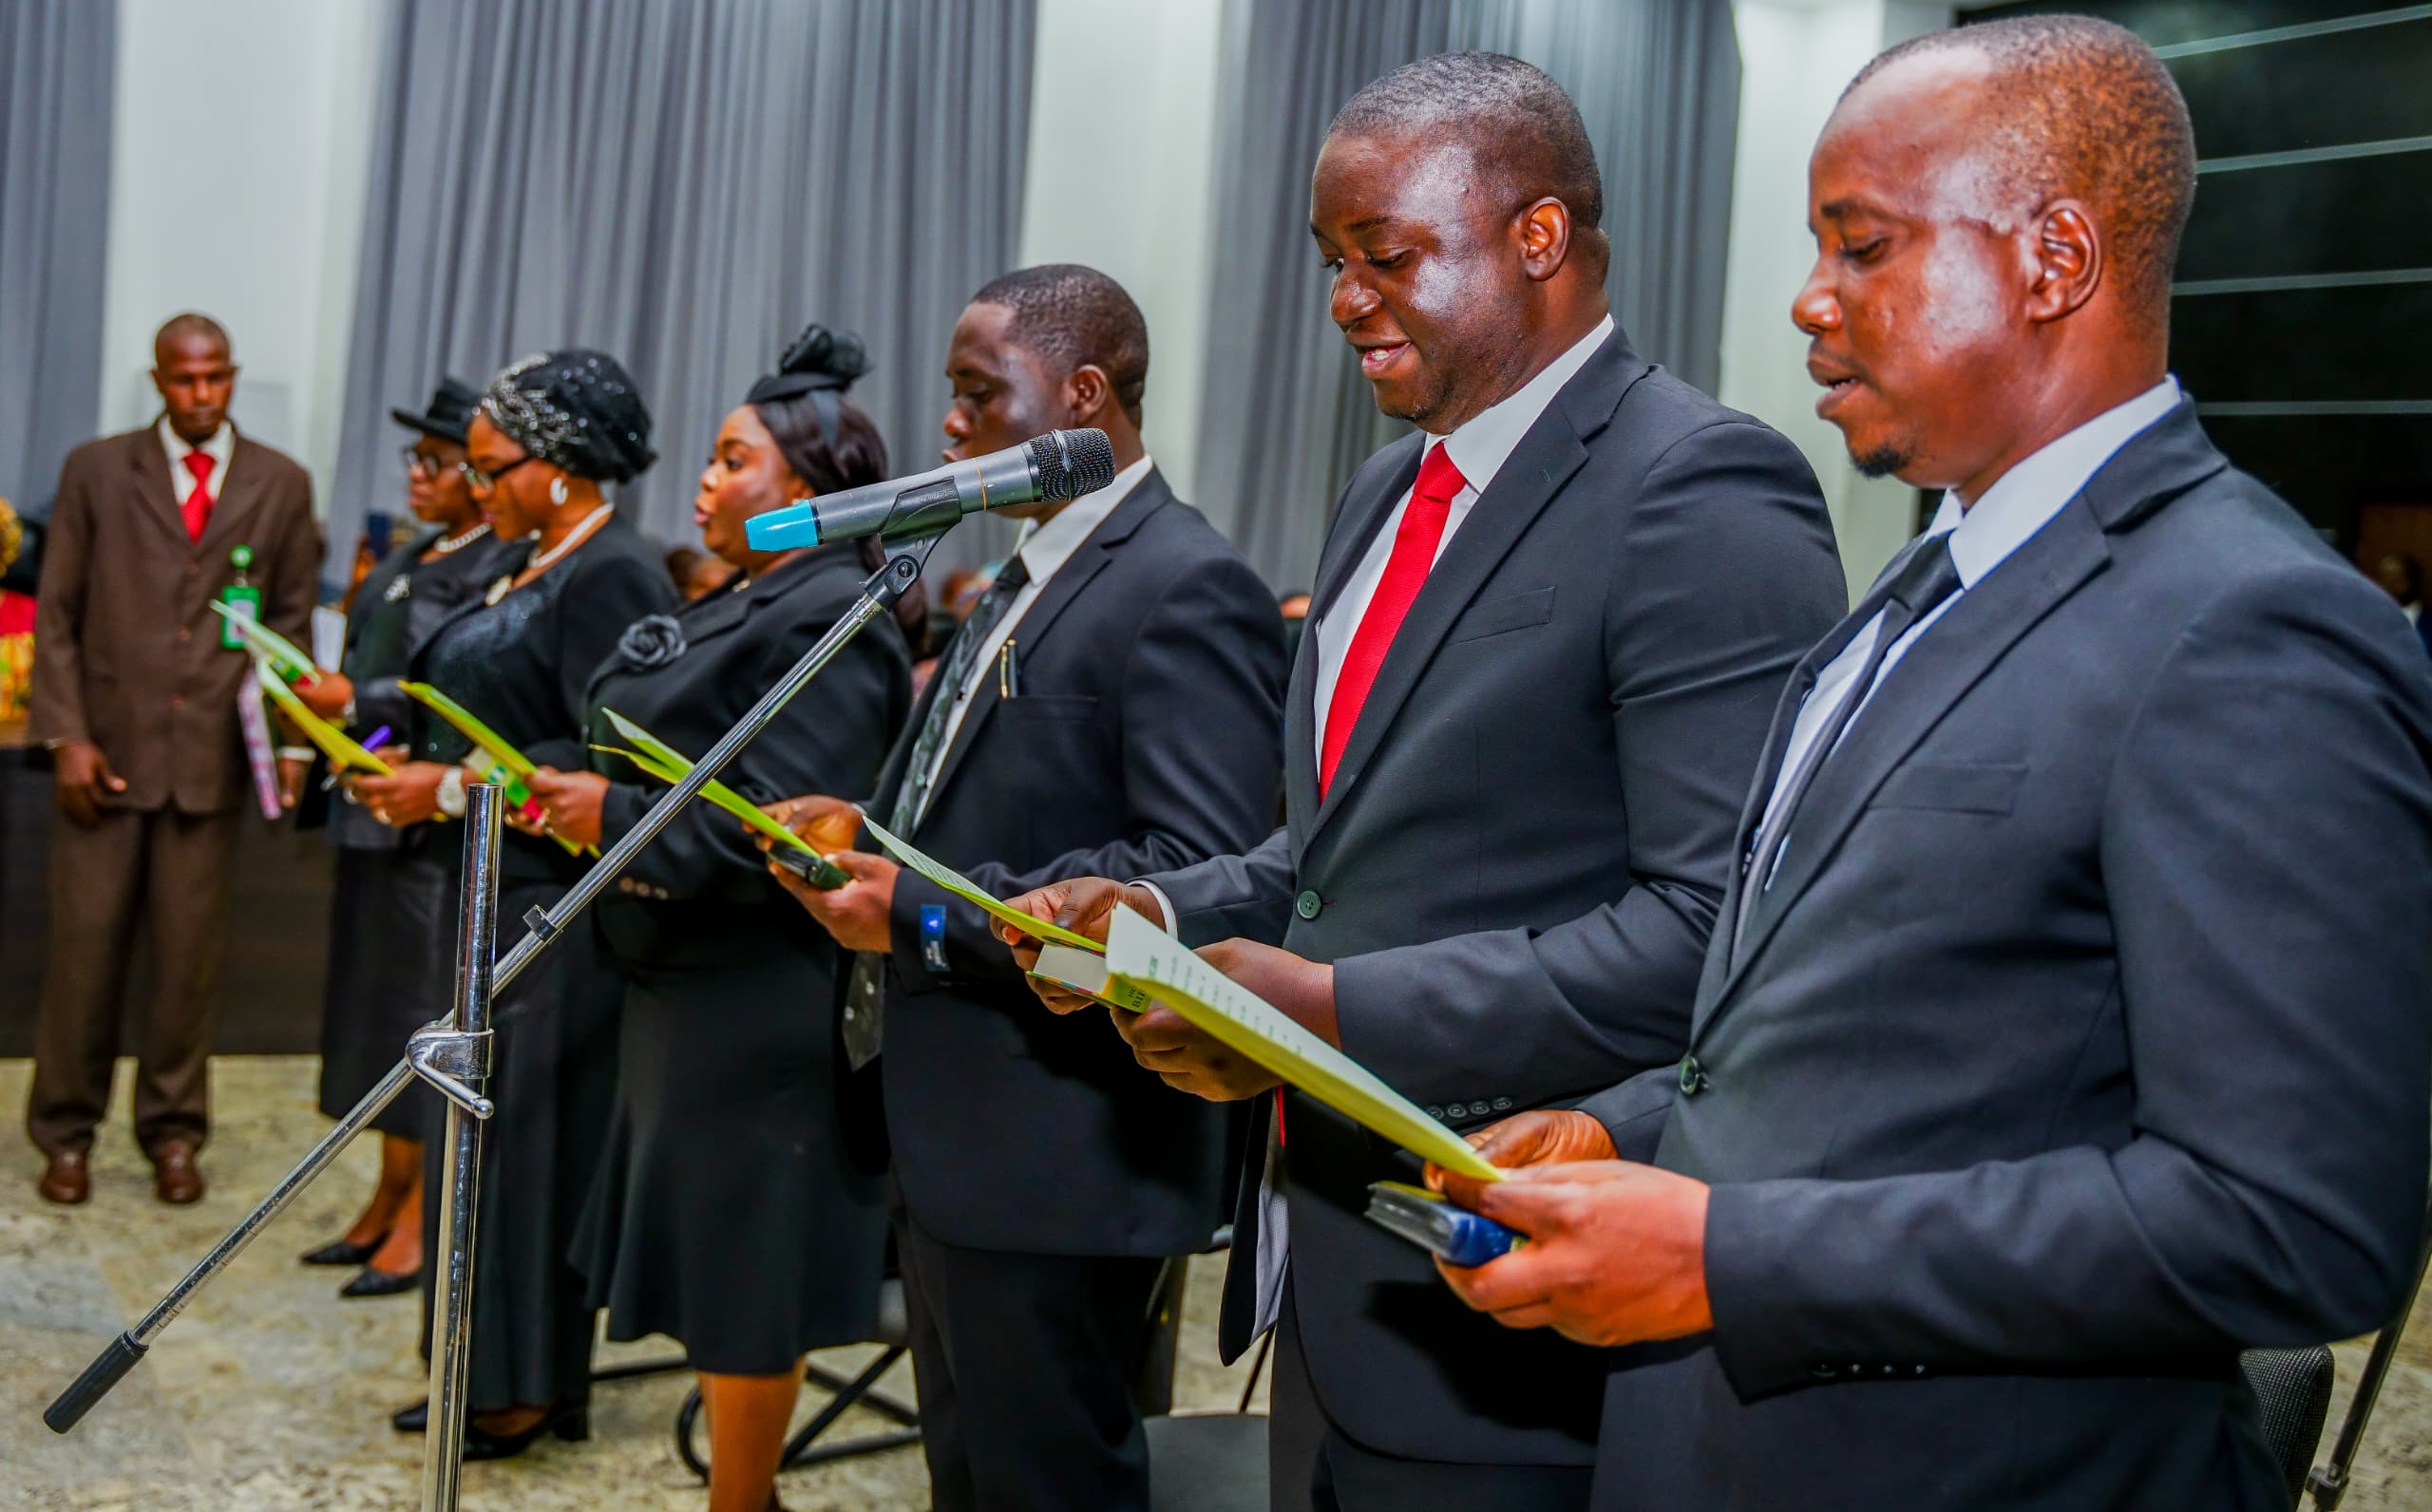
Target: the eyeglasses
(419, 463)
(483, 482)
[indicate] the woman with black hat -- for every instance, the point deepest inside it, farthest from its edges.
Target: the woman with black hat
(728, 1212)
(392, 912)
(550, 435)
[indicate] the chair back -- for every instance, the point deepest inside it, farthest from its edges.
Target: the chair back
(2292, 1389)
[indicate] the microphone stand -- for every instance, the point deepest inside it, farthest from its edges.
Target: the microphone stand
(2327, 1482)
(454, 1055)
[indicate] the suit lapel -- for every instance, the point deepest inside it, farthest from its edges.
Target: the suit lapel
(240, 498)
(1530, 480)
(160, 499)
(1362, 518)
(1933, 674)
(1057, 594)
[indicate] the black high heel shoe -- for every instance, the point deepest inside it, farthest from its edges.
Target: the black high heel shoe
(569, 1421)
(414, 1419)
(338, 1252)
(371, 1282)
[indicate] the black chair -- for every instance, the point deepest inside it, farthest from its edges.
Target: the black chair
(2292, 1388)
(1202, 1462)
(858, 1390)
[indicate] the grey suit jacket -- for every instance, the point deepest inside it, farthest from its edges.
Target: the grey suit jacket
(1517, 863)
(2079, 1044)
(127, 649)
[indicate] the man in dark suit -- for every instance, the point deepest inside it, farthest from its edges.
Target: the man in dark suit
(1110, 705)
(1546, 637)
(2065, 1034)
(135, 696)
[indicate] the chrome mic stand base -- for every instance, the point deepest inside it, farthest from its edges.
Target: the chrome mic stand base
(456, 1059)
(454, 1055)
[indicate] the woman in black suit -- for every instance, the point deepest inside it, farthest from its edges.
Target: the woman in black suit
(393, 908)
(728, 1212)
(551, 431)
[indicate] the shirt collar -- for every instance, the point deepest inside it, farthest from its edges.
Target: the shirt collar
(1044, 548)
(218, 448)
(1481, 447)
(2023, 499)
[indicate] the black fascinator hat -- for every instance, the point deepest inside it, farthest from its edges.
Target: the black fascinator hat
(821, 362)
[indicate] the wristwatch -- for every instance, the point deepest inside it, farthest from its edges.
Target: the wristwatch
(450, 795)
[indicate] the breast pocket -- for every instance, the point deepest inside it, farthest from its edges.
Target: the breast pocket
(1953, 787)
(1501, 616)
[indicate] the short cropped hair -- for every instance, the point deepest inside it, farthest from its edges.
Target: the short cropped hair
(2083, 107)
(1080, 317)
(1520, 119)
(191, 323)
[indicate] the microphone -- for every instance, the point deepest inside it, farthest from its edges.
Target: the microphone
(1059, 465)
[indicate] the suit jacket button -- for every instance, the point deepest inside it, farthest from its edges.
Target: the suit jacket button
(1435, 1114)
(1307, 904)
(1503, 1104)
(1822, 1373)
(1692, 1077)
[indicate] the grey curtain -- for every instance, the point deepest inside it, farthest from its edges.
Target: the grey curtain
(58, 60)
(1287, 415)
(683, 183)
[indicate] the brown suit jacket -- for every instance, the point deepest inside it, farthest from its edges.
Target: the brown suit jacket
(127, 649)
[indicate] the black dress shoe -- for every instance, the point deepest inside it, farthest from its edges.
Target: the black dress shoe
(414, 1419)
(338, 1252)
(371, 1281)
(568, 1421)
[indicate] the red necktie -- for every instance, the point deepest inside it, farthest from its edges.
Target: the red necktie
(1415, 543)
(197, 504)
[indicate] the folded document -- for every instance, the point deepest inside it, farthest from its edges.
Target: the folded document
(1144, 965)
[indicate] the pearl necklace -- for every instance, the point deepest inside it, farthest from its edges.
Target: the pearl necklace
(445, 548)
(583, 531)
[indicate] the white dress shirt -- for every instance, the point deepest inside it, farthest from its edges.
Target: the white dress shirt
(1042, 550)
(221, 447)
(1479, 449)
(2022, 501)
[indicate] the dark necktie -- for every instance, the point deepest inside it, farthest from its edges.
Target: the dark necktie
(912, 794)
(865, 1000)
(1923, 581)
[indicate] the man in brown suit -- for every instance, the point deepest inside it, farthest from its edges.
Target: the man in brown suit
(136, 699)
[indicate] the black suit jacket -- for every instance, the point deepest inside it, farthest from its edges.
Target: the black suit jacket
(701, 891)
(2080, 1042)
(1516, 866)
(1144, 737)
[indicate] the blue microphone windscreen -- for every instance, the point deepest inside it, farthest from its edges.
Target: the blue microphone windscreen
(784, 529)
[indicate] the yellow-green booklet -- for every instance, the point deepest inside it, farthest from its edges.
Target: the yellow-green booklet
(1141, 959)
(340, 747)
(268, 644)
(963, 887)
(509, 767)
(671, 766)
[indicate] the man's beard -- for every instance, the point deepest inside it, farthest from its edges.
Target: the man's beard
(1880, 462)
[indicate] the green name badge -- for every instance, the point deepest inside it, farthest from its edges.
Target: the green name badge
(242, 599)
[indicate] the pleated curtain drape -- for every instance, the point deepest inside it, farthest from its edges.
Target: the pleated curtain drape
(1287, 415)
(58, 62)
(683, 183)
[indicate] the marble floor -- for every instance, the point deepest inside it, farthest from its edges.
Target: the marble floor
(271, 1395)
